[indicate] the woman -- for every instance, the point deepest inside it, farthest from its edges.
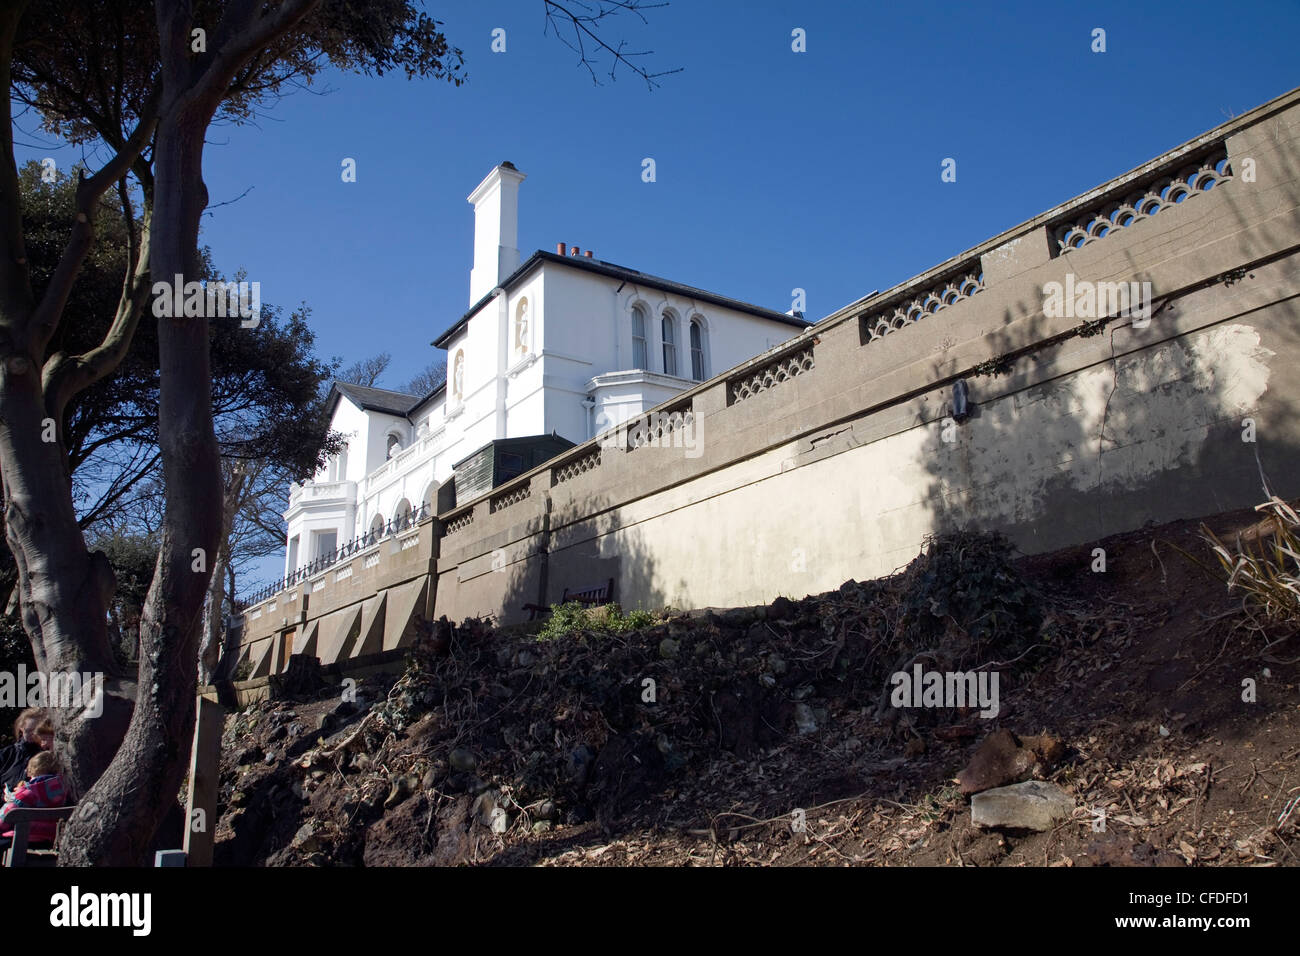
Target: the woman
(27, 744)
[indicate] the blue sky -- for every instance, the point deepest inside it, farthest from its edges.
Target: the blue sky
(775, 169)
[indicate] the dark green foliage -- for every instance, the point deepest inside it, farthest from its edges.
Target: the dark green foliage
(576, 616)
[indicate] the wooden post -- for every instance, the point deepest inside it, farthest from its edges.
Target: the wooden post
(204, 760)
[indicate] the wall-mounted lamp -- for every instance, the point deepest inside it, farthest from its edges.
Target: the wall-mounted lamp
(960, 400)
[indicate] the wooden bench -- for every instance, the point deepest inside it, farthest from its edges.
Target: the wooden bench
(18, 853)
(591, 595)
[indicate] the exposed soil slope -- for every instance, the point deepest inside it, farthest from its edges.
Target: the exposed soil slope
(712, 737)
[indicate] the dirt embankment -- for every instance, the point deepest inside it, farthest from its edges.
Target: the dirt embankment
(773, 735)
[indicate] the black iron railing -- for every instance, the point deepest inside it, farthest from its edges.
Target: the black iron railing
(343, 552)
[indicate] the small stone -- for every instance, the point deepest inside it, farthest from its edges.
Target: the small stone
(541, 826)
(668, 648)
(305, 839)
(270, 757)
(401, 789)
(500, 820)
(1032, 805)
(737, 616)
(1164, 731)
(804, 721)
(462, 760)
(484, 805)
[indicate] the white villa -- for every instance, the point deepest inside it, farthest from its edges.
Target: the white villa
(558, 348)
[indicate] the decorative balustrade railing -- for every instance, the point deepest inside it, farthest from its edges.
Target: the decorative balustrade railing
(780, 369)
(575, 467)
(507, 498)
(355, 546)
(1142, 199)
(920, 303)
(656, 429)
(313, 491)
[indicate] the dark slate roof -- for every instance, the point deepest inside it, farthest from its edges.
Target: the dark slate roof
(600, 267)
(374, 399)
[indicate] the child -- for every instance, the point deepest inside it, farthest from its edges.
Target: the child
(43, 788)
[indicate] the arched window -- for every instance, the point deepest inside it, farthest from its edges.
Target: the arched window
(639, 359)
(376, 528)
(402, 514)
(521, 327)
(394, 445)
(670, 344)
(697, 350)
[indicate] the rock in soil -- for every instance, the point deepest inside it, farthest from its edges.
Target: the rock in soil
(1032, 805)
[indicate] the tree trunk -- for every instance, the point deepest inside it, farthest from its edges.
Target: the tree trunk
(114, 823)
(64, 590)
(213, 629)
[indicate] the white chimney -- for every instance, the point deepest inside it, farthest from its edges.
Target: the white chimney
(496, 229)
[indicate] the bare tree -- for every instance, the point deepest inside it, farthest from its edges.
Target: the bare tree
(366, 371)
(427, 379)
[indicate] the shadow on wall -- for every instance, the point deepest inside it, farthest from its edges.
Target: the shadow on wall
(575, 555)
(1151, 436)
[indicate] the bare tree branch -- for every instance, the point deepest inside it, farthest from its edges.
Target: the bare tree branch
(582, 18)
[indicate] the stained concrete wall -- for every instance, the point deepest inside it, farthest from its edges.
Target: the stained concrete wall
(369, 603)
(833, 455)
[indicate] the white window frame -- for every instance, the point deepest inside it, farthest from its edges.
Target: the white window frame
(668, 334)
(639, 342)
(696, 325)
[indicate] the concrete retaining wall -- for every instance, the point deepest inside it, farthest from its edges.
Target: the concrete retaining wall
(834, 455)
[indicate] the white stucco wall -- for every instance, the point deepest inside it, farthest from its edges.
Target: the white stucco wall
(578, 330)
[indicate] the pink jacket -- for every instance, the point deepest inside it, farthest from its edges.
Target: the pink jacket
(38, 793)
